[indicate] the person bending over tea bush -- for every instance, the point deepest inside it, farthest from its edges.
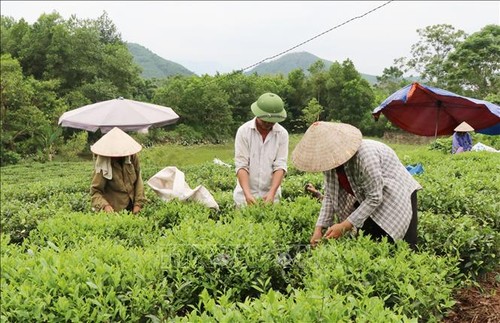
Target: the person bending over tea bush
(461, 140)
(116, 183)
(366, 185)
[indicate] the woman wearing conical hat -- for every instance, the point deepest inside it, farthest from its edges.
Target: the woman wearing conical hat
(116, 183)
(366, 185)
(462, 140)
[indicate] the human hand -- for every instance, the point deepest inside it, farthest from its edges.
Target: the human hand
(337, 230)
(108, 208)
(250, 200)
(268, 198)
(315, 239)
(136, 209)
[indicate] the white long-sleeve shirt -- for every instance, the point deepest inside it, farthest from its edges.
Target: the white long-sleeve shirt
(259, 158)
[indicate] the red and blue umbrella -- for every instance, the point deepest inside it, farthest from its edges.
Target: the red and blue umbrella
(428, 111)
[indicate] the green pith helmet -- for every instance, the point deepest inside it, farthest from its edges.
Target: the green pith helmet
(269, 107)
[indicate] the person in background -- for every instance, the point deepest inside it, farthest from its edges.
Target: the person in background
(462, 140)
(366, 185)
(261, 153)
(116, 182)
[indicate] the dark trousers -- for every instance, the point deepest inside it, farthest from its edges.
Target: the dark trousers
(130, 205)
(376, 232)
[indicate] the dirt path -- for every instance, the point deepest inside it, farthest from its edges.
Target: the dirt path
(476, 305)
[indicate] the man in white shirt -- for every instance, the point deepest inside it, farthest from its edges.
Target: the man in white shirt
(261, 153)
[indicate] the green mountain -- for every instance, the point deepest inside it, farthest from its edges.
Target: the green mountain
(154, 66)
(288, 62)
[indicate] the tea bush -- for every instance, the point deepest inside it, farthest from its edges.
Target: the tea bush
(99, 282)
(476, 246)
(417, 285)
(181, 261)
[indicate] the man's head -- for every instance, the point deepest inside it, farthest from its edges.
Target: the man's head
(269, 108)
(264, 125)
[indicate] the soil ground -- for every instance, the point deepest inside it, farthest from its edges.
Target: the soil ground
(478, 304)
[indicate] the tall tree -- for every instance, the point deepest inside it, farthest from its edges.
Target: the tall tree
(431, 51)
(242, 91)
(311, 112)
(474, 67)
(297, 95)
(201, 104)
(317, 80)
(27, 108)
(392, 79)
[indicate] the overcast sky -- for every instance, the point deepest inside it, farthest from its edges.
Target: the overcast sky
(210, 36)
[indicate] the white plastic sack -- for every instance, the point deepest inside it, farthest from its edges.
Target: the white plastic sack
(169, 183)
(482, 147)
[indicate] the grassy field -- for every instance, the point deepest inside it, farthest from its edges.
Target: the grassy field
(180, 156)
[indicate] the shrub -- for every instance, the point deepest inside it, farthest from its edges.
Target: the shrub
(417, 285)
(476, 246)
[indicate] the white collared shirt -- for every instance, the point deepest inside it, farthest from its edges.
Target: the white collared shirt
(260, 158)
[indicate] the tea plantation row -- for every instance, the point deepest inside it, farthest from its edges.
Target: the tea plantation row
(182, 262)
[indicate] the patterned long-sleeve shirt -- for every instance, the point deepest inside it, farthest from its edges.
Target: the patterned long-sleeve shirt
(382, 186)
(259, 158)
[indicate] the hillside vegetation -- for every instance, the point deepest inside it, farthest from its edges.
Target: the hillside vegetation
(154, 66)
(299, 60)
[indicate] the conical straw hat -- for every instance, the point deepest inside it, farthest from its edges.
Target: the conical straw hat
(464, 127)
(326, 145)
(116, 143)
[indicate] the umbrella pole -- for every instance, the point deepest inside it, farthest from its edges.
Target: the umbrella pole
(437, 119)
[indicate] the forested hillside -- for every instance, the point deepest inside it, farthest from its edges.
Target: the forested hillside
(154, 66)
(291, 61)
(55, 65)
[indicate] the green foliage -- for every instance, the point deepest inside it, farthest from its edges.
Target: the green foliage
(311, 112)
(8, 157)
(410, 284)
(442, 144)
(477, 246)
(123, 228)
(300, 306)
(181, 261)
(473, 67)
(432, 50)
(184, 135)
(153, 66)
(224, 257)
(201, 105)
(54, 60)
(100, 281)
(75, 145)
(463, 184)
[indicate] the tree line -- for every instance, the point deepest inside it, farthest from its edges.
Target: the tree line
(56, 65)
